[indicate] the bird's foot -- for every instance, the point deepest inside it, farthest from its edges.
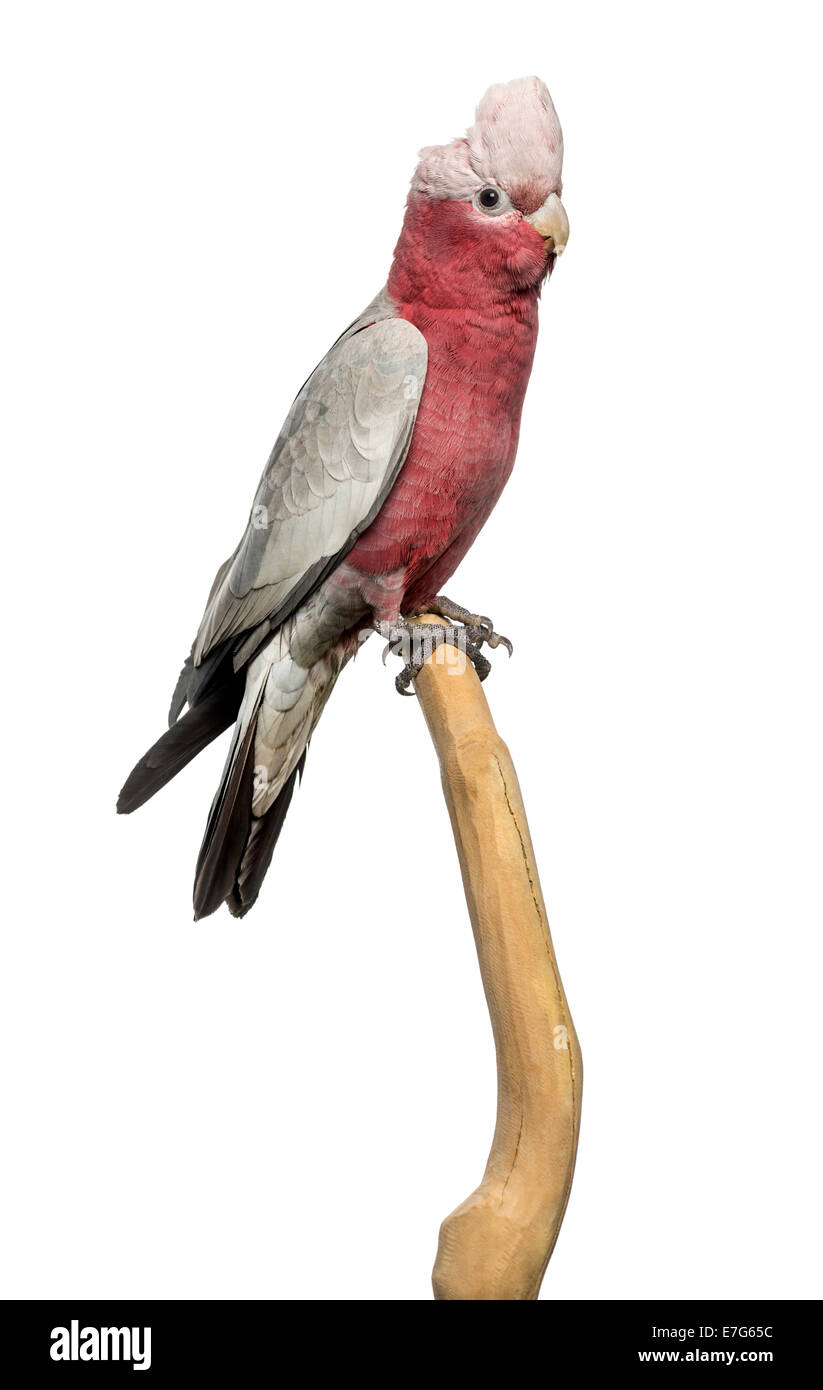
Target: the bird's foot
(415, 642)
(481, 629)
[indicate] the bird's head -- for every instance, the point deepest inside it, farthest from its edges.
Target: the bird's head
(484, 216)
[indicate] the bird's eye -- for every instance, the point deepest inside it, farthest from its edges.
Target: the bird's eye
(492, 201)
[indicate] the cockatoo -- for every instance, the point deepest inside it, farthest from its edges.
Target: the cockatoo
(390, 461)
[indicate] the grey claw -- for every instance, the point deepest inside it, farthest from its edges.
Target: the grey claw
(404, 680)
(481, 664)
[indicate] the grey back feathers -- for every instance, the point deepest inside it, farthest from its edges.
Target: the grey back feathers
(335, 460)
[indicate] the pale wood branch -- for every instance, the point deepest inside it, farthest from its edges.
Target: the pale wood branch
(497, 1244)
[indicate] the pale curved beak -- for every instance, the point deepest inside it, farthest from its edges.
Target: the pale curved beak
(551, 222)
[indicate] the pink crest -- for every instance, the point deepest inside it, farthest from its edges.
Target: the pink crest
(516, 142)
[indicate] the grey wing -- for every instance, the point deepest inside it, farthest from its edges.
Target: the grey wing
(340, 450)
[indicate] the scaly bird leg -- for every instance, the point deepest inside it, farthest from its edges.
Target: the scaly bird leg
(415, 642)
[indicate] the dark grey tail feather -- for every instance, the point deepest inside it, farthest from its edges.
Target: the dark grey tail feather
(259, 848)
(193, 679)
(229, 824)
(196, 682)
(179, 744)
(181, 692)
(237, 846)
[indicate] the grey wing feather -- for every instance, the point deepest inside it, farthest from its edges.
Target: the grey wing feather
(335, 460)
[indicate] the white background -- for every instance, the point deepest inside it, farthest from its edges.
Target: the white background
(198, 198)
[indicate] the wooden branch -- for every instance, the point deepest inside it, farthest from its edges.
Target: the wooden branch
(497, 1244)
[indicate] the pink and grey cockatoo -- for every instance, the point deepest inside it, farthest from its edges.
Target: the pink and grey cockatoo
(389, 463)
